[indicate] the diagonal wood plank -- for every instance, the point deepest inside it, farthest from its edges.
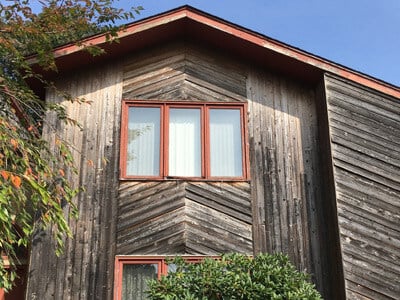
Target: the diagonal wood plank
(365, 133)
(165, 218)
(182, 72)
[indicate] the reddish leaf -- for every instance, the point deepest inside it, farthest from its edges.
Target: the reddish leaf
(14, 143)
(16, 180)
(5, 174)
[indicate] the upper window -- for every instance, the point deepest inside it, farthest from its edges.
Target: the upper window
(173, 140)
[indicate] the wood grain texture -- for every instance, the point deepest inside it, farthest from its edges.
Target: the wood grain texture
(331, 276)
(85, 270)
(183, 72)
(283, 139)
(365, 133)
(302, 147)
(177, 217)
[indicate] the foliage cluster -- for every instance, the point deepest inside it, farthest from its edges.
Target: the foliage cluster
(234, 276)
(35, 181)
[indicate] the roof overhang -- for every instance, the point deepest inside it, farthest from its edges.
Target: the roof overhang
(188, 23)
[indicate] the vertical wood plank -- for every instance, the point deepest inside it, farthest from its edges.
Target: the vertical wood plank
(85, 270)
(284, 166)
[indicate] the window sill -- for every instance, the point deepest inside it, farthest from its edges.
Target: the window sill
(182, 179)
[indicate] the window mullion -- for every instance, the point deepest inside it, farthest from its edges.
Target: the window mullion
(206, 142)
(165, 142)
(164, 267)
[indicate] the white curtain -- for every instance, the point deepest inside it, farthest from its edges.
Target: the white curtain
(225, 143)
(143, 157)
(134, 280)
(184, 142)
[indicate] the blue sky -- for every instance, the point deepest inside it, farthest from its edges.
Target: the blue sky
(361, 34)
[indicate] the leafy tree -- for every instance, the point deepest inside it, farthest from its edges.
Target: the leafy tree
(34, 178)
(234, 276)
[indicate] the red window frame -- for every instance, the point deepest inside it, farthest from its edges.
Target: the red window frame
(204, 107)
(161, 261)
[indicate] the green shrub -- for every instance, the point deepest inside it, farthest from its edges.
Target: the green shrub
(234, 276)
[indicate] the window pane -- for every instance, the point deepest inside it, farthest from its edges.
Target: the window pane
(225, 143)
(143, 157)
(134, 280)
(184, 142)
(172, 268)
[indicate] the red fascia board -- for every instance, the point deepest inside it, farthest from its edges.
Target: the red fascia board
(287, 55)
(252, 53)
(127, 44)
(134, 28)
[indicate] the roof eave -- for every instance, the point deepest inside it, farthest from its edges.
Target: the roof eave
(240, 36)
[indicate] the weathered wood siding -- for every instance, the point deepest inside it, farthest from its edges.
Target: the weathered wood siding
(365, 136)
(176, 217)
(294, 136)
(173, 217)
(283, 137)
(85, 270)
(183, 72)
(284, 154)
(329, 241)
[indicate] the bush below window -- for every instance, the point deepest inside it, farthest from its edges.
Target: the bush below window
(234, 276)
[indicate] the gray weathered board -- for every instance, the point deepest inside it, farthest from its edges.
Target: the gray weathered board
(365, 133)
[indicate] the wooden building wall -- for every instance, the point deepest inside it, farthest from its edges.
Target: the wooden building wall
(281, 209)
(178, 217)
(284, 158)
(197, 218)
(286, 186)
(85, 270)
(365, 141)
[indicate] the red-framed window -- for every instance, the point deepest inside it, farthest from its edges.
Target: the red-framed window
(132, 273)
(167, 140)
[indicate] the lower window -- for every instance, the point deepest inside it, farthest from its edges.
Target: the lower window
(133, 272)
